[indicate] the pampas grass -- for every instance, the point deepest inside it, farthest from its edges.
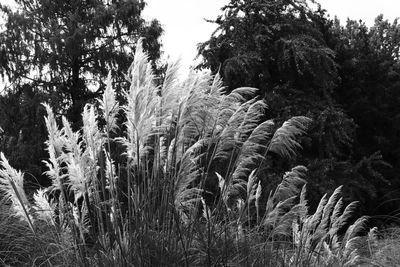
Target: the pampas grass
(188, 189)
(382, 247)
(12, 185)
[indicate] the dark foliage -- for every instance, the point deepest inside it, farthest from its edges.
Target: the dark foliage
(344, 77)
(60, 53)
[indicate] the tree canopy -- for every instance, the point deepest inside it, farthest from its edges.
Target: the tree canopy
(66, 48)
(344, 77)
(60, 52)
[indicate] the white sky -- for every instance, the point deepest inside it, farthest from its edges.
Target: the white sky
(367, 10)
(184, 25)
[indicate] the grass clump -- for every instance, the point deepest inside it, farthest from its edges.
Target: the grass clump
(381, 248)
(189, 189)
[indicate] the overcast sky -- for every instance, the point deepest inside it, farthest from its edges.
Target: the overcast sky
(184, 25)
(367, 10)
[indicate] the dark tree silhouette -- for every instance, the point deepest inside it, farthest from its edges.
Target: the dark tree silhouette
(67, 48)
(60, 52)
(344, 77)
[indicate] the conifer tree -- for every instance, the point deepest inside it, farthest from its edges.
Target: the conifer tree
(60, 52)
(67, 47)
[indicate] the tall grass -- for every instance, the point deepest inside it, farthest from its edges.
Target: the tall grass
(189, 188)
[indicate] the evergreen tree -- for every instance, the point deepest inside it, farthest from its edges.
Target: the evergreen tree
(67, 47)
(60, 52)
(267, 43)
(303, 63)
(369, 92)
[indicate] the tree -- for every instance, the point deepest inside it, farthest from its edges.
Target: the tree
(25, 131)
(60, 52)
(266, 44)
(299, 59)
(280, 47)
(66, 48)
(369, 92)
(370, 76)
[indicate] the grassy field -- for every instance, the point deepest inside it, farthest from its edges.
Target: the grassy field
(192, 187)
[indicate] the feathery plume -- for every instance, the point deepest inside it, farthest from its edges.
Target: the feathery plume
(91, 133)
(43, 207)
(258, 192)
(110, 173)
(284, 141)
(12, 185)
(291, 183)
(109, 106)
(141, 107)
(54, 143)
